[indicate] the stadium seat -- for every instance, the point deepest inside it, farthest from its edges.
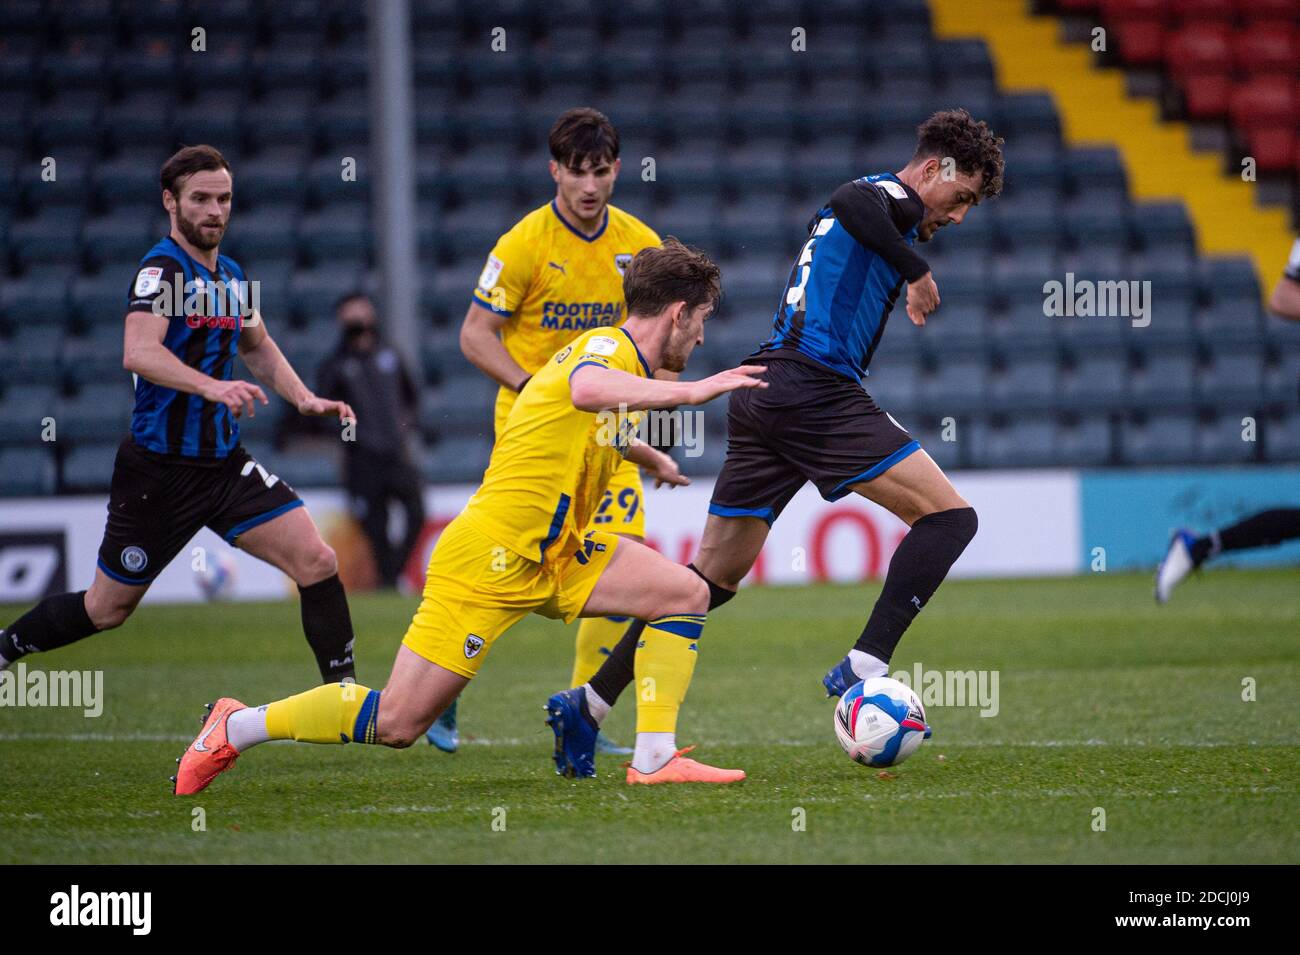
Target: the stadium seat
(26, 471)
(893, 384)
(1028, 383)
(99, 412)
(1282, 437)
(1165, 381)
(458, 460)
(1096, 383)
(1018, 442)
(1085, 442)
(32, 301)
(1157, 439)
(89, 467)
(92, 360)
(953, 387)
(1282, 378)
(1222, 439)
(23, 408)
(1234, 374)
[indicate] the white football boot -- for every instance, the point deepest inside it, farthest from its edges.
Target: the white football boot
(1178, 563)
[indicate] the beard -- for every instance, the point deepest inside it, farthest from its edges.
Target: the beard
(195, 236)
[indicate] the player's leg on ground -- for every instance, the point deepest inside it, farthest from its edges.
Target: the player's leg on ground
(348, 712)
(641, 582)
(1187, 552)
(292, 543)
(918, 492)
(727, 551)
(66, 618)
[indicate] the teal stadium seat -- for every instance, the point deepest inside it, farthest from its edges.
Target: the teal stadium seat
(26, 471)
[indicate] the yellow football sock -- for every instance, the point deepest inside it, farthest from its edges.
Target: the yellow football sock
(333, 713)
(665, 660)
(596, 639)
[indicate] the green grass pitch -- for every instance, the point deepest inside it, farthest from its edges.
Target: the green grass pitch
(1106, 701)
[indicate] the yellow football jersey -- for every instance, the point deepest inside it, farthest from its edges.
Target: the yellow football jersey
(554, 283)
(552, 461)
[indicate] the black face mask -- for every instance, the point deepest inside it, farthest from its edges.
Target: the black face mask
(353, 332)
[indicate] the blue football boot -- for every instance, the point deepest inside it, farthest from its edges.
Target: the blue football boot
(575, 734)
(839, 678)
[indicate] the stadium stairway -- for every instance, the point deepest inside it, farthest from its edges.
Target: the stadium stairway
(1029, 54)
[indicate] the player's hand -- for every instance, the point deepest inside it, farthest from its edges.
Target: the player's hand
(922, 298)
(311, 405)
(238, 396)
(742, 376)
(665, 470)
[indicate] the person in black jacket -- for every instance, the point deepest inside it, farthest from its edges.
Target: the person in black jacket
(379, 462)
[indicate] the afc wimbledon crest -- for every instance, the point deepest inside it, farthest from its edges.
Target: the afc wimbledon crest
(622, 261)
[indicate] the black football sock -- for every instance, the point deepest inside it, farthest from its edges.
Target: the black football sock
(916, 570)
(616, 672)
(328, 626)
(54, 622)
(1265, 529)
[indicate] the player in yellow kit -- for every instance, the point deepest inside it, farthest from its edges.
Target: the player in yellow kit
(557, 273)
(523, 545)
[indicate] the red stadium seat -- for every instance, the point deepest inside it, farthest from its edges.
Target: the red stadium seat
(1136, 9)
(1266, 101)
(1206, 96)
(1266, 48)
(1272, 147)
(1140, 27)
(1270, 10)
(1203, 11)
(1199, 49)
(1141, 42)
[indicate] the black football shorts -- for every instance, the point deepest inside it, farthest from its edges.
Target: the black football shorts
(809, 424)
(156, 504)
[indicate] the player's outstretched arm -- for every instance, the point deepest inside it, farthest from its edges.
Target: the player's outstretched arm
(593, 388)
(144, 354)
(480, 342)
(267, 363)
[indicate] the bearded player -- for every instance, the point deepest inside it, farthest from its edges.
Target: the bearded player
(182, 467)
(816, 422)
(557, 273)
(524, 544)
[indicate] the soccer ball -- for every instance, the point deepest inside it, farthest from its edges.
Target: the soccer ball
(880, 722)
(216, 577)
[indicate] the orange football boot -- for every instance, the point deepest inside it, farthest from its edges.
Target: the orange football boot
(210, 754)
(679, 769)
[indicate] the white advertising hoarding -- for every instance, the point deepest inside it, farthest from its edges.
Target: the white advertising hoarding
(1029, 526)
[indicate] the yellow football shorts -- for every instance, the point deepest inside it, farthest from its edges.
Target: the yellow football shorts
(475, 590)
(622, 510)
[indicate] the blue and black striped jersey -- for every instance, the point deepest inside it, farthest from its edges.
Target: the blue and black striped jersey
(848, 275)
(203, 329)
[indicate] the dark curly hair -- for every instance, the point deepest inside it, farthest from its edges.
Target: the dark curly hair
(580, 134)
(672, 272)
(971, 144)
